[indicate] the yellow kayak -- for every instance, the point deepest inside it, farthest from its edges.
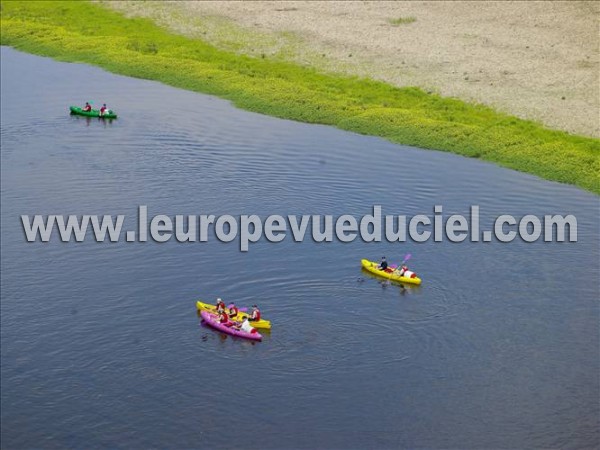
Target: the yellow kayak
(264, 324)
(371, 266)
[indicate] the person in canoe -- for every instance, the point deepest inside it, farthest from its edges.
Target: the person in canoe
(404, 272)
(103, 110)
(87, 107)
(255, 316)
(224, 319)
(245, 326)
(233, 311)
(383, 265)
(220, 305)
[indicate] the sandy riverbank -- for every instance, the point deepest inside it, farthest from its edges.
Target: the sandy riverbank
(535, 60)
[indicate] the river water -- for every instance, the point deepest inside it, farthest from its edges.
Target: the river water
(101, 343)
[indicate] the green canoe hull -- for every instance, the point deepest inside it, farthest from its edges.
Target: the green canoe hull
(93, 113)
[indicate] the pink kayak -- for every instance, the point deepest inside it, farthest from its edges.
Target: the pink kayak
(213, 321)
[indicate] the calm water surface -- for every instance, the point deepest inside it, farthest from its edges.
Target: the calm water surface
(101, 344)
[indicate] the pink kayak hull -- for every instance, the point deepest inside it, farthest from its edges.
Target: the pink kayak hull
(212, 321)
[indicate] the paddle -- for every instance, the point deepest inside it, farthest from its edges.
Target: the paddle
(406, 258)
(244, 309)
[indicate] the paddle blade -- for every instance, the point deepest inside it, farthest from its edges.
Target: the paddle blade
(406, 258)
(239, 309)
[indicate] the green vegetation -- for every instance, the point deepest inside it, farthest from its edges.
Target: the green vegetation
(85, 32)
(402, 21)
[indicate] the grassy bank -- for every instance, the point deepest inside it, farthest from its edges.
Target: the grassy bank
(89, 33)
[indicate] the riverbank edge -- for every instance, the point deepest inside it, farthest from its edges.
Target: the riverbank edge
(89, 33)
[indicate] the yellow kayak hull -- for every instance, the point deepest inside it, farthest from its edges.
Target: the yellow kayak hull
(371, 266)
(263, 324)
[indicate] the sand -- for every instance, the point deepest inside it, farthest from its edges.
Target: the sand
(535, 60)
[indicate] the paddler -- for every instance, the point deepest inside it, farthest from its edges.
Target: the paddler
(255, 316)
(233, 311)
(404, 272)
(383, 265)
(224, 318)
(220, 305)
(87, 107)
(103, 110)
(245, 326)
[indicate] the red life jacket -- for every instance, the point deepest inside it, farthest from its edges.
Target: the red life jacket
(256, 314)
(223, 317)
(233, 311)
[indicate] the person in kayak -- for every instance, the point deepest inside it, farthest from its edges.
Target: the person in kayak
(103, 110)
(404, 272)
(233, 311)
(224, 318)
(255, 316)
(220, 306)
(245, 326)
(87, 107)
(383, 265)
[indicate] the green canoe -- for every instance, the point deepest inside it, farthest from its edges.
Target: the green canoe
(93, 113)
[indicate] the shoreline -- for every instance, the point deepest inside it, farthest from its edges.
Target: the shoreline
(404, 115)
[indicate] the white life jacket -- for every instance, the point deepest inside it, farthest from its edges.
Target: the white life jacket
(246, 327)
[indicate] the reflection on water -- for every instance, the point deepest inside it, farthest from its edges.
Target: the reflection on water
(89, 120)
(101, 342)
